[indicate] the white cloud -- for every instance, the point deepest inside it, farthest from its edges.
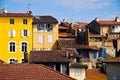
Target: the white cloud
(84, 4)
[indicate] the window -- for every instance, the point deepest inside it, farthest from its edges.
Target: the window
(24, 47)
(12, 60)
(64, 68)
(102, 52)
(25, 33)
(77, 71)
(50, 38)
(12, 47)
(113, 28)
(40, 38)
(22, 60)
(24, 21)
(45, 27)
(12, 33)
(11, 21)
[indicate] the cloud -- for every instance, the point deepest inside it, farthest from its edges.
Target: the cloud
(84, 4)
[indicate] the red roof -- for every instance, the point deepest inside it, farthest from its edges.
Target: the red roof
(15, 15)
(30, 72)
(79, 25)
(108, 22)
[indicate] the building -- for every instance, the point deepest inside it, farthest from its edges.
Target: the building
(54, 59)
(15, 36)
(78, 71)
(45, 33)
(30, 72)
(113, 68)
(88, 53)
(105, 33)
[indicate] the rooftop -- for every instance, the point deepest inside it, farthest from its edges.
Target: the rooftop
(30, 72)
(44, 19)
(72, 43)
(48, 56)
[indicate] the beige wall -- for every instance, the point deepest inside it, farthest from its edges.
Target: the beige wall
(104, 30)
(80, 76)
(113, 71)
(45, 45)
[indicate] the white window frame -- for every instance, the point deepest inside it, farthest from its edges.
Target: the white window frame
(23, 34)
(21, 46)
(9, 47)
(16, 61)
(12, 33)
(50, 38)
(40, 38)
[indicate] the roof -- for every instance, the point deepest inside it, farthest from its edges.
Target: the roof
(1, 61)
(108, 22)
(30, 72)
(78, 65)
(48, 56)
(44, 19)
(72, 43)
(113, 60)
(15, 15)
(79, 25)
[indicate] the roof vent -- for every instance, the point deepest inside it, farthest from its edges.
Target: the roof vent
(117, 19)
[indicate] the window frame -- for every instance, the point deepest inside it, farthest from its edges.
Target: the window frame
(14, 60)
(13, 47)
(50, 38)
(25, 21)
(25, 49)
(11, 21)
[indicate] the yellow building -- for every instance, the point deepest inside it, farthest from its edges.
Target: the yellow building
(15, 36)
(45, 33)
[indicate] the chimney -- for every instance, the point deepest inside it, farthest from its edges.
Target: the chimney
(117, 19)
(97, 19)
(29, 12)
(64, 20)
(25, 57)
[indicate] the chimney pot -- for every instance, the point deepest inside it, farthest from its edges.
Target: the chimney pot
(96, 19)
(117, 19)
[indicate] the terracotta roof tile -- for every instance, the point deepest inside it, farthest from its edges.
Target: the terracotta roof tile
(15, 15)
(30, 72)
(48, 56)
(108, 22)
(44, 19)
(113, 60)
(72, 43)
(79, 25)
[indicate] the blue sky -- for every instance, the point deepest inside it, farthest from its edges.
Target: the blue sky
(71, 10)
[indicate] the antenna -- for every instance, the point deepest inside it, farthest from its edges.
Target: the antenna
(28, 6)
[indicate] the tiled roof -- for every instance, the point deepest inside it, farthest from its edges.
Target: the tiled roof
(30, 72)
(65, 24)
(79, 25)
(108, 22)
(72, 43)
(15, 15)
(1, 61)
(48, 56)
(94, 35)
(62, 27)
(113, 60)
(44, 19)
(113, 38)
(78, 65)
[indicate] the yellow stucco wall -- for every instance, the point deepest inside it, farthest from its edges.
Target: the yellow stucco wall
(18, 25)
(45, 45)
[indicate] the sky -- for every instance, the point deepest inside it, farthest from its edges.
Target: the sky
(70, 10)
